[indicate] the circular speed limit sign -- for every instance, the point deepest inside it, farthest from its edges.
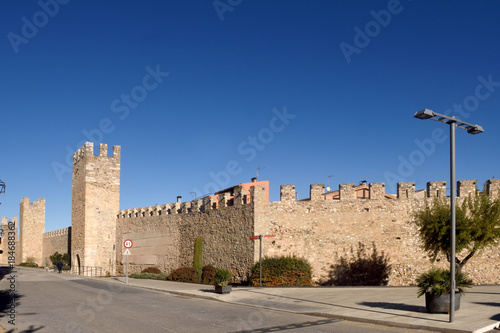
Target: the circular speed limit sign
(128, 243)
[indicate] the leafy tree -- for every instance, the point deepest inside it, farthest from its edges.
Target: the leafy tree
(59, 257)
(66, 259)
(477, 227)
(55, 258)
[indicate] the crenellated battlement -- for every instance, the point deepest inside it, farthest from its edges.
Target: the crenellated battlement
(376, 191)
(346, 192)
(57, 233)
(88, 150)
(204, 204)
(25, 202)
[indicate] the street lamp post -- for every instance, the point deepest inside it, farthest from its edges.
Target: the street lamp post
(471, 129)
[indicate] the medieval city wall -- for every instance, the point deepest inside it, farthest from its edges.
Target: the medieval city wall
(164, 236)
(56, 241)
(323, 231)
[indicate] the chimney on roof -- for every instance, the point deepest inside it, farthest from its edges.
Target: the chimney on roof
(179, 199)
(254, 179)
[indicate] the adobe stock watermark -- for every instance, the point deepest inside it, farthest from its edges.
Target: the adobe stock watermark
(427, 146)
(363, 37)
(256, 318)
(222, 6)
(121, 106)
(248, 149)
(30, 27)
(93, 305)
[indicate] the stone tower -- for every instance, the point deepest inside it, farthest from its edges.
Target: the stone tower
(31, 229)
(95, 204)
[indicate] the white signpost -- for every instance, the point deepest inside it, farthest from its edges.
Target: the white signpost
(128, 244)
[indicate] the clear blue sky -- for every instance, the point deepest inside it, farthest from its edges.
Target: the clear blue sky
(304, 89)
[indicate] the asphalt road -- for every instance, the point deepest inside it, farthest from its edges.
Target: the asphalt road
(51, 302)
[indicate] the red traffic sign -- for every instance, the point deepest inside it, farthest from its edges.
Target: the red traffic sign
(257, 237)
(128, 243)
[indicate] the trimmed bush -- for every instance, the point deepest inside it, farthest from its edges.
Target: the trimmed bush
(28, 264)
(208, 274)
(184, 274)
(284, 271)
(149, 276)
(198, 258)
(152, 269)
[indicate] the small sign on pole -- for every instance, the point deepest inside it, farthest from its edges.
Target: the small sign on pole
(128, 244)
(260, 253)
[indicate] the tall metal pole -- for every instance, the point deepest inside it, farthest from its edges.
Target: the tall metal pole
(126, 270)
(452, 221)
(260, 260)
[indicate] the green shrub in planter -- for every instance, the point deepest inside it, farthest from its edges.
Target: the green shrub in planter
(222, 277)
(436, 281)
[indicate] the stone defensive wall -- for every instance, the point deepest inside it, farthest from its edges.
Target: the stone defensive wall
(164, 235)
(323, 231)
(56, 241)
(318, 229)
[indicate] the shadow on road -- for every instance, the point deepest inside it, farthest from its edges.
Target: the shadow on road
(4, 270)
(6, 299)
(31, 329)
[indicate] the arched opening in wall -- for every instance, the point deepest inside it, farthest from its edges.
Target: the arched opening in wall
(77, 264)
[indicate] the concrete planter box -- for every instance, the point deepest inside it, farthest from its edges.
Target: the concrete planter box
(222, 289)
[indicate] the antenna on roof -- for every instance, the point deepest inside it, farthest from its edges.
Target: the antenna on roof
(328, 184)
(259, 168)
(362, 182)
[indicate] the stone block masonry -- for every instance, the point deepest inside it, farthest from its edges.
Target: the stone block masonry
(56, 241)
(32, 228)
(95, 203)
(323, 231)
(165, 238)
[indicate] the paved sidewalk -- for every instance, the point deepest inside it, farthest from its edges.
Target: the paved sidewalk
(391, 306)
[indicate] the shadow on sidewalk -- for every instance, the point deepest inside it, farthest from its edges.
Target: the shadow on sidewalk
(395, 306)
(487, 303)
(388, 306)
